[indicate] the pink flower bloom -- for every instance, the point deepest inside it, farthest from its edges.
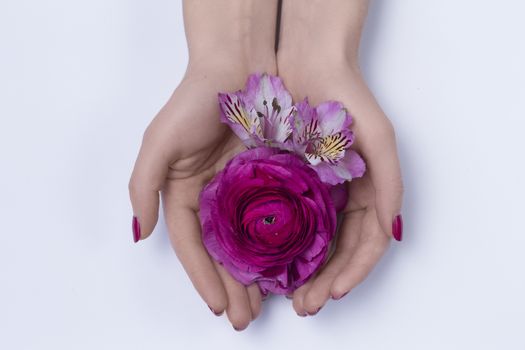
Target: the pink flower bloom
(322, 134)
(259, 114)
(268, 218)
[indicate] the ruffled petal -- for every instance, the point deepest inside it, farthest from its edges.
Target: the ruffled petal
(339, 194)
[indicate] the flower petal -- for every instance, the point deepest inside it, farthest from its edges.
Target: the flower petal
(305, 124)
(339, 194)
(333, 118)
(243, 124)
(330, 148)
(349, 167)
(262, 89)
(266, 98)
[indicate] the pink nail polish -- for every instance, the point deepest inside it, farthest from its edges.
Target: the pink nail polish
(215, 312)
(397, 228)
(316, 311)
(341, 297)
(136, 229)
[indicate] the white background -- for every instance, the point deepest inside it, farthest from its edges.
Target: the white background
(79, 82)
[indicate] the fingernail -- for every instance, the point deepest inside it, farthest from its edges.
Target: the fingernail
(341, 297)
(397, 228)
(301, 315)
(289, 297)
(136, 229)
(215, 312)
(316, 311)
(238, 329)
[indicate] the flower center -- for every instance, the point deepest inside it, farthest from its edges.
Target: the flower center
(269, 220)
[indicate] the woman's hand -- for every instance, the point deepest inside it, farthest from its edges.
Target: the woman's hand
(320, 61)
(186, 145)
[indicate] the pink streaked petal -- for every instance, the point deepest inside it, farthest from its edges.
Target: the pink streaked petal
(234, 114)
(276, 127)
(260, 91)
(353, 163)
(330, 148)
(351, 166)
(327, 174)
(266, 99)
(305, 124)
(333, 118)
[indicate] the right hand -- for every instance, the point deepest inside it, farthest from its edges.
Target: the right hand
(183, 148)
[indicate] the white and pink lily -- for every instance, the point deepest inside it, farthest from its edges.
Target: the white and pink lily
(263, 115)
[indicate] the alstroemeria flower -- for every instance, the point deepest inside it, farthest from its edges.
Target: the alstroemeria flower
(261, 113)
(268, 219)
(322, 134)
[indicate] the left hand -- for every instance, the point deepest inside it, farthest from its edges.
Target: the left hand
(371, 216)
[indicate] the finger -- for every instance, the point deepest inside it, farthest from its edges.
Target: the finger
(239, 309)
(370, 248)
(383, 163)
(320, 291)
(298, 298)
(184, 231)
(255, 297)
(149, 174)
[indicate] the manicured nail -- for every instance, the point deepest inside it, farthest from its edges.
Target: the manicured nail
(215, 312)
(316, 311)
(136, 229)
(341, 297)
(397, 228)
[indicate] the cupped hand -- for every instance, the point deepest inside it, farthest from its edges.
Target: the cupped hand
(182, 149)
(372, 214)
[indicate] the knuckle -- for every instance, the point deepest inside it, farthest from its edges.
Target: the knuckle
(388, 130)
(132, 186)
(148, 133)
(384, 133)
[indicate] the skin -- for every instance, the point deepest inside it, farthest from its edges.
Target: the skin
(318, 57)
(186, 145)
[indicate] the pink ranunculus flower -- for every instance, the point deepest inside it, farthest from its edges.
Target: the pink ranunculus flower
(268, 218)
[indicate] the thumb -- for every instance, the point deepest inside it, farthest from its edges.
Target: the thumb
(147, 179)
(385, 172)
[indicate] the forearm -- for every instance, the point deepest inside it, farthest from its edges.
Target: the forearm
(318, 57)
(322, 32)
(239, 33)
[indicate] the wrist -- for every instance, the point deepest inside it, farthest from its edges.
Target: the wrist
(317, 34)
(241, 59)
(237, 33)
